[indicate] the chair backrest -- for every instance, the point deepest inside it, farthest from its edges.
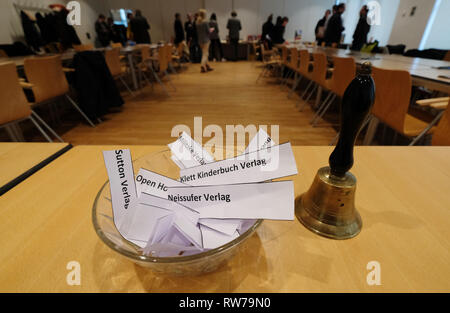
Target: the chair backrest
(47, 76)
(304, 61)
(112, 58)
(284, 54)
(343, 73)
(319, 71)
(3, 54)
(13, 104)
(145, 53)
(80, 48)
(116, 45)
(162, 58)
(293, 63)
(392, 96)
(169, 52)
(441, 135)
(323, 44)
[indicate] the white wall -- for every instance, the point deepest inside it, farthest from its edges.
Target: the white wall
(408, 30)
(439, 36)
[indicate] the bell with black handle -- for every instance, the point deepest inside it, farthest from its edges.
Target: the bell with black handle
(328, 207)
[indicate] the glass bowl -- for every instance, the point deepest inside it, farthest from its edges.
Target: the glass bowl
(102, 218)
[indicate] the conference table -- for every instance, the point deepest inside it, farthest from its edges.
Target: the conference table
(403, 200)
(424, 72)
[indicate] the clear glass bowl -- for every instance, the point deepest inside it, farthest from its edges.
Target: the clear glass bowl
(102, 218)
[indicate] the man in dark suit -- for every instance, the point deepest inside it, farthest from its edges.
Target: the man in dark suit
(362, 29)
(140, 28)
(234, 26)
(335, 28)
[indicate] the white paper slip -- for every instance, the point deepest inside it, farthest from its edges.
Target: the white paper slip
(247, 201)
(189, 152)
(177, 208)
(260, 141)
(262, 165)
(163, 225)
(176, 161)
(121, 182)
(153, 183)
(226, 226)
(189, 230)
(213, 239)
(144, 221)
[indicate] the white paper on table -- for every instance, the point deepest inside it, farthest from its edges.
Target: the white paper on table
(173, 236)
(177, 208)
(226, 226)
(123, 189)
(213, 239)
(189, 152)
(144, 221)
(260, 141)
(154, 183)
(246, 168)
(273, 200)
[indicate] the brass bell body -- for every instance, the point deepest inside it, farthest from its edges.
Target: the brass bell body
(328, 207)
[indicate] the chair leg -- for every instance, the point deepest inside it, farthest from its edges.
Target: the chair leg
(321, 106)
(160, 82)
(40, 129)
(306, 89)
(261, 74)
(334, 140)
(321, 114)
(11, 133)
(46, 125)
(425, 131)
(126, 86)
(312, 92)
(364, 124)
(172, 69)
(16, 129)
(295, 85)
(371, 129)
(79, 110)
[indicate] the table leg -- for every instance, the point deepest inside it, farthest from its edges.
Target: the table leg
(133, 71)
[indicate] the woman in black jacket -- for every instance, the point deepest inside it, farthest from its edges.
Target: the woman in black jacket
(320, 27)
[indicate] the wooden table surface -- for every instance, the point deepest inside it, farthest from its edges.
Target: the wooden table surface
(18, 157)
(424, 72)
(402, 196)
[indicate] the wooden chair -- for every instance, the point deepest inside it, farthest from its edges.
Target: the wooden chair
(344, 71)
(116, 45)
(48, 81)
(269, 62)
(3, 54)
(292, 64)
(392, 99)
(160, 58)
(284, 61)
(80, 48)
(14, 106)
(303, 69)
(441, 135)
(318, 76)
(117, 69)
(169, 57)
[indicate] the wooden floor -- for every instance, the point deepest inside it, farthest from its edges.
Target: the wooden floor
(228, 95)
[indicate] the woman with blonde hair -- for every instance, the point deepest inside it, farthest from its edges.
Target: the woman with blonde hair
(203, 31)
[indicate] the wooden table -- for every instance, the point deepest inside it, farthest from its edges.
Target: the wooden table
(19, 160)
(423, 72)
(402, 196)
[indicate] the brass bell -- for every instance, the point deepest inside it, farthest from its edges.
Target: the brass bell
(328, 207)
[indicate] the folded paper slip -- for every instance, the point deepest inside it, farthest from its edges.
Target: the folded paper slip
(245, 201)
(262, 165)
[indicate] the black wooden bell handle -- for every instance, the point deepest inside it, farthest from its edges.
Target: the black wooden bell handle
(355, 107)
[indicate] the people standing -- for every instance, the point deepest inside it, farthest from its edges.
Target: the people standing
(179, 31)
(333, 32)
(267, 30)
(277, 35)
(320, 27)
(140, 28)
(129, 32)
(362, 29)
(216, 45)
(203, 33)
(102, 30)
(234, 26)
(191, 36)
